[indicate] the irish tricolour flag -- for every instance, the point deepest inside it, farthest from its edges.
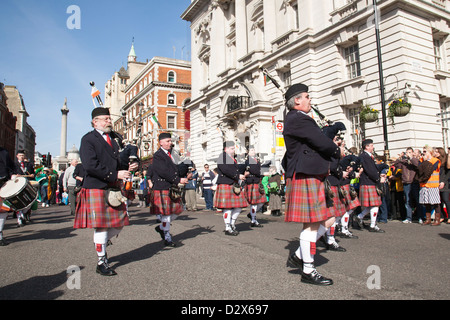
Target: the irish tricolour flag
(155, 121)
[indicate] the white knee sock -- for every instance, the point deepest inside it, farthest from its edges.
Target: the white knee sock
(100, 240)
(234, 215)
(344, 220)
(227, 218)
(20, 216)
(253, 209)
(330, 234)
(373, 216)
(308, 249)
(165, 226)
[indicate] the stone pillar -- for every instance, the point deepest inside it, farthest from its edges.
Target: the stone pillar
(241, 29)
(63, 145)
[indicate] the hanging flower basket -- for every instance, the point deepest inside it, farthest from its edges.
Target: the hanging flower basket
(368, 114)
(398, 108)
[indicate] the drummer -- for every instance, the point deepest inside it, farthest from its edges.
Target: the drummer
(6, 170)
(24, 169)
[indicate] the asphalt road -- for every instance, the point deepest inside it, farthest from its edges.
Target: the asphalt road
(407, 262)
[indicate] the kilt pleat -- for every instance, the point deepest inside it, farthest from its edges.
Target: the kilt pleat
(305, 199)
(162, 204)
(350, 203)
(225, 198)
(253, 195)
(338, 209)
(368, 196)
(92, 211)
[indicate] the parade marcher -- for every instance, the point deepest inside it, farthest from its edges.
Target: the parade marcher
(351, 202)
(25, 169)
(254, 191)
(165, 175)
(6, 170)
(229, 195)
(274, 190)
(369, 196)
(306, 164)
(338, 209)
(104, 173)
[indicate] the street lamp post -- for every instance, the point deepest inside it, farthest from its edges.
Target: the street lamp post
(380, 74)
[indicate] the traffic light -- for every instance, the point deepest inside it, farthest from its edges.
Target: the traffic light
(49, 160)
(44, 160)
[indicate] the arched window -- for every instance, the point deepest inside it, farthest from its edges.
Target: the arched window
(171, 76)
(171, 99)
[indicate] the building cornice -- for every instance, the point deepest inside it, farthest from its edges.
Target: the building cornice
(159, 61)
(194, 8)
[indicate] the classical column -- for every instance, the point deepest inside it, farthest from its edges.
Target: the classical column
(241, 29)
(63, 145)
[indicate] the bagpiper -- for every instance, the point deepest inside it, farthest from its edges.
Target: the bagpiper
(306, 163)
(166, 202)
(369, 196)
(100, 205)
(229, 197)
(254, 190)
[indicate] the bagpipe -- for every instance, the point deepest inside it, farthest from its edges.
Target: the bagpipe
(128, 152)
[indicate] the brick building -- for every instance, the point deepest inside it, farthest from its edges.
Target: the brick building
(162, 88)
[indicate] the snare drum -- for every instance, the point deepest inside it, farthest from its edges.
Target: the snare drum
(19, 193)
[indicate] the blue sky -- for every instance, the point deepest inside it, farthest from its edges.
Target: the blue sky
(48, 62)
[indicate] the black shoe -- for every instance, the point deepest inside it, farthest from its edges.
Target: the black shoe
(231, 232)
(161, 233)
(316, 278)
(256, 225)
(376, 229)
(295, 261)
(169, 244)
(334, 247)
(105, 270)
(249, 216)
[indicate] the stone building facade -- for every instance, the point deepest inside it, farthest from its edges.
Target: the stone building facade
(331, 47)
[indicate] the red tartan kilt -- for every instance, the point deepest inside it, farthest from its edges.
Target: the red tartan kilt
(351, 204)
(225, 198)
(305, 199)
(368, 196)
(162, 204)
(93, 212)
(253, 195)
(338, 209)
